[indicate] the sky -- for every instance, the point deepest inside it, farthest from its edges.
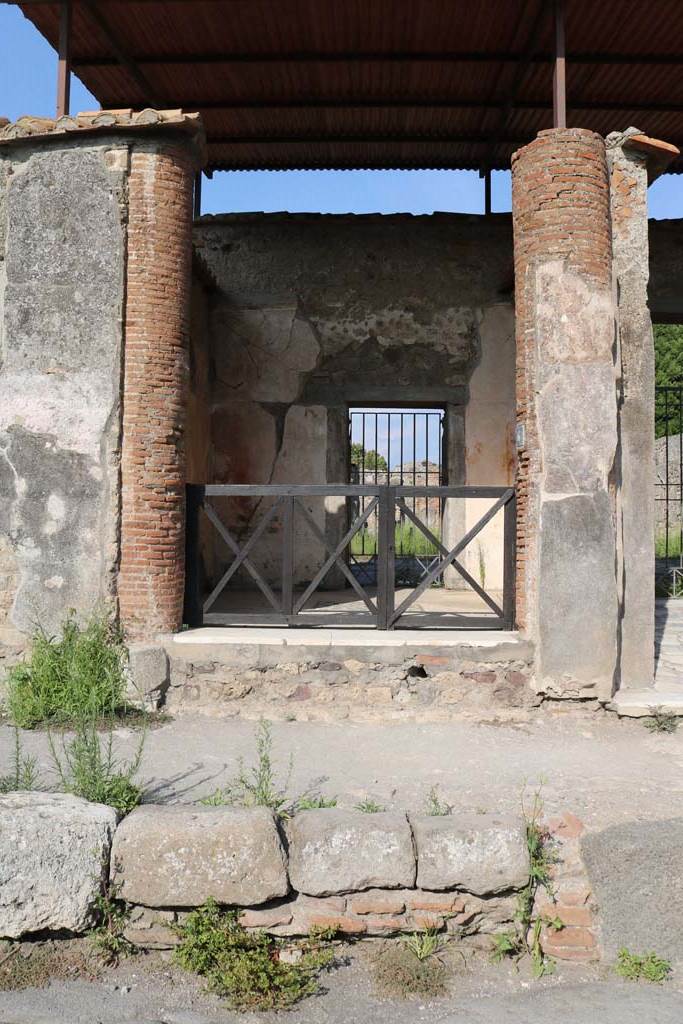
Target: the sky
(28, 72)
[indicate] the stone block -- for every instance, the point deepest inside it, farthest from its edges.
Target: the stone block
(334, 851)
(478, 853)
(636, 872)
(148, 676)
(175, 856)
(54, 849)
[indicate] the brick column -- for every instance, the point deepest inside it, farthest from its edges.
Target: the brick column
(566, 397)
(158, 283)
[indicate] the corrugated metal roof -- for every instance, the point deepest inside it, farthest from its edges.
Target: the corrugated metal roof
(379, 83)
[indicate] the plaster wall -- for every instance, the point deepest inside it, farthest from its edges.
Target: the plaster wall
(62, 240)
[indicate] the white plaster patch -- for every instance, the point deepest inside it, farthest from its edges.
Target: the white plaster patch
(73, 408)
(54, 583)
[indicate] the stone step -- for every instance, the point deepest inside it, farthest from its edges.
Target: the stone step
(639, 703)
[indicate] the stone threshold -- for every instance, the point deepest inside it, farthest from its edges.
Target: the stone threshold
(640, 703)
(353, 636)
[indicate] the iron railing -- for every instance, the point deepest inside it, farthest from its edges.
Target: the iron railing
(274, 528)
(668, 477)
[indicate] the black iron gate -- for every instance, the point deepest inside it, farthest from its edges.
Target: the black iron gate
(668, 478)
(290, 510)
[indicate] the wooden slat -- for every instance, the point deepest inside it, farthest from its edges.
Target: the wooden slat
(334, 557)
(253, 572)
(460, 546)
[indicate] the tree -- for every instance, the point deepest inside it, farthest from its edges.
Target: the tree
(370, 460)
(668, 371)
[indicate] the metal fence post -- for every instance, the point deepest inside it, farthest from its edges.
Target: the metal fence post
(193, 612)
(509, 561)
(288, 557)
(386, 557)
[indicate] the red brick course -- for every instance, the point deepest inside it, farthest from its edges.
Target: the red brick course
(158, 282)
(560, 210)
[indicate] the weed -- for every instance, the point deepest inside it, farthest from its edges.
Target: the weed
(79, 674)
(88, 768)
(23, 774)
(661, 721)
(423, 944)
(526, 936)
(37, 964)
(257, 786)
(436, 807)
(369, 807)
(108, 937)
(314, 802)
(482, 565)
(400, 973)
(648, 967)
(245, 967)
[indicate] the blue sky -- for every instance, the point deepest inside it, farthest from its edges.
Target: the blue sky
(28, 68)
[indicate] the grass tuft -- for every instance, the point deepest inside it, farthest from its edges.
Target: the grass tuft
(23, 774)
(661, 721)
(78, 674)
(400, 973)
(369, 807)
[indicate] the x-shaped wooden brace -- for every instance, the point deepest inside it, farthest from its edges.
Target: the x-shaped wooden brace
(335, 557)
(450, 557)
(242, 556)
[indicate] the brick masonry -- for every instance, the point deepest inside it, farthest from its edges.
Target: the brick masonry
(574, 902)
(158, 282)
(560, 208)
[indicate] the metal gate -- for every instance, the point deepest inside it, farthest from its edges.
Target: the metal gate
(668, 478)
(384, 606)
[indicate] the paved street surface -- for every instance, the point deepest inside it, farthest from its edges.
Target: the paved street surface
(604, 770)
(482, 993)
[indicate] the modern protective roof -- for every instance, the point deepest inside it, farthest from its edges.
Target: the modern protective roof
(379, 83)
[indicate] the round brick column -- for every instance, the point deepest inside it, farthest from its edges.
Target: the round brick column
(158, 284)
(562, 242)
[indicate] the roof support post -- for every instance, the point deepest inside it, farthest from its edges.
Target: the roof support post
(487, 191)
(64, 63)
(559, 69)
(197, 201)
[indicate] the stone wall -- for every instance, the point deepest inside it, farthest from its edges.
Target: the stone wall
(356, 873)
(62, 245)
(95, 220)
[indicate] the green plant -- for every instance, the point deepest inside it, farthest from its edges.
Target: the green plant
(108, 936)
(369, 807)
(661, 721)
(314, 802)
(245, 967)
(78, 674)
(23, 774)
(88, 767)
(648, 967)
(436, 807)
(257, 786)
(400, 973)
(423, 944)
(525, 938)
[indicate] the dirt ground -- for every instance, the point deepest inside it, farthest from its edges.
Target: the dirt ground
(604, 769)
(149, 989)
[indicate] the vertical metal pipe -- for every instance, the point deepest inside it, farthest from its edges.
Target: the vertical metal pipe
(487, 191)
(64, 61)
(197, 195)
(559, 69)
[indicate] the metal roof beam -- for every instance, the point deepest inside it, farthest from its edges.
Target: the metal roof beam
(222, 106)
(122, 57)
(355, 57)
